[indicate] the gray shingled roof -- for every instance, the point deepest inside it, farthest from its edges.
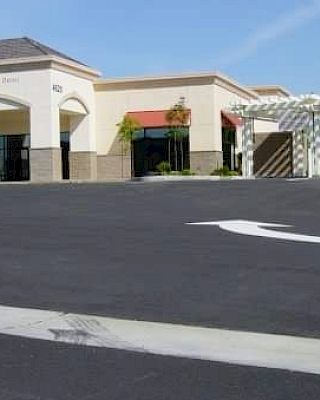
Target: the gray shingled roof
(26, 47)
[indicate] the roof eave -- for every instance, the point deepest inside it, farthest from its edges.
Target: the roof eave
(215, 77)
(92, 73)
(221, 78)
(279, 88)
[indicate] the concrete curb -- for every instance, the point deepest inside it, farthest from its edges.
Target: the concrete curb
(170, 178)
(64, 182)
(145, 179)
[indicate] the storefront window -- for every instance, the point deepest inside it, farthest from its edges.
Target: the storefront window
(156, 133)
(151, 146)
(14, 157)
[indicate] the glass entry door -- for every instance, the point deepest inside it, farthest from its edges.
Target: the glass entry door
(65, 150)
(14, 157)
(229, 148)
(148, 153)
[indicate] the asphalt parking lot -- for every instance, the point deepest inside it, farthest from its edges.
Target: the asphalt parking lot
(125, 251)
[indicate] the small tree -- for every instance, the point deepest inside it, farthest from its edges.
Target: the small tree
(177, 118)
(127, 130)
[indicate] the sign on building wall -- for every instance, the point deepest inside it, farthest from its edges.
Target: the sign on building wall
(9, 80)
(57, 88)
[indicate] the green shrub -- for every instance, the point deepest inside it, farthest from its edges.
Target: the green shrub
(187, 172)
(164, 168)
(224, 171)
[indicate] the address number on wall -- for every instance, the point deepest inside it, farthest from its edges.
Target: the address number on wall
(57, 88)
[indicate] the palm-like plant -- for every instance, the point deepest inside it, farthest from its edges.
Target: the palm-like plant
(177, 118)
(127, 130)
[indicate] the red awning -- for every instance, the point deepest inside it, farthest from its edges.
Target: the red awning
(152, 119)
(230, 120)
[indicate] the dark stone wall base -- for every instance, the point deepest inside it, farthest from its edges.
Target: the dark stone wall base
(205, 162)
(45, 165)
(114, 167)
(83, 165)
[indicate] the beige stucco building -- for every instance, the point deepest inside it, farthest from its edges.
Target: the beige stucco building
(58, 118)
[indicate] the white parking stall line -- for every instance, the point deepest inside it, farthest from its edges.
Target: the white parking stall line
(234, 347)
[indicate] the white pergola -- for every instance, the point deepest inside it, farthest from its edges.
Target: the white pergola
(296, 114)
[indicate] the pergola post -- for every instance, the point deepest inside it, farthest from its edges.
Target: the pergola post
(317, 143)
(247, 148)
(311, 147)
(298, 154)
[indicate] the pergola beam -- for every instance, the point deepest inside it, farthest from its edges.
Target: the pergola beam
(293, 113)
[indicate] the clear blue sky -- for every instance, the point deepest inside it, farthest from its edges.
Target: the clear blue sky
(253, 41)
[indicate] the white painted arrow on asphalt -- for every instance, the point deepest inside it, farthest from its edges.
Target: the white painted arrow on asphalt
(253, 228)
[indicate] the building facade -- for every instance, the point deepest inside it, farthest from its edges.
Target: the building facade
(58, 118)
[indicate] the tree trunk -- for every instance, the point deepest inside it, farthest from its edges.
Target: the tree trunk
(131, 158)
(122, 151)
(176, 151)
(182, 155)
